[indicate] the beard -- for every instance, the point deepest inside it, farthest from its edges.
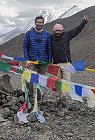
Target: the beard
(38, 27)
(58, 35)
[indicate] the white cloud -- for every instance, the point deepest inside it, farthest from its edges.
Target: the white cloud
(7, 10)
(20, 12)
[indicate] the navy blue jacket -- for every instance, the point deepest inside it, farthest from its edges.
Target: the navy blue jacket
(37, 46)
(60, 46)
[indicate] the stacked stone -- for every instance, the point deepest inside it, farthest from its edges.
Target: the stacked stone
(10, 100)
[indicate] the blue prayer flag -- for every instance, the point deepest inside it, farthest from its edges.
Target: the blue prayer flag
(34, 78)
(78, 90)
(19, 58)
(79, 65)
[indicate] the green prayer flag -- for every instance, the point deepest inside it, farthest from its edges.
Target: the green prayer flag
(4, 66)
(40, 88)
(20, 71)
(58, 85)
(44, 63)
(27, 96)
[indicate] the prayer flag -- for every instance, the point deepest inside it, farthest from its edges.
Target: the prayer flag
(70, 68)
(44, 63)
(34, 78)
(43, 80)
(6, 57)
(91, 99)
(53, 69)
(65, 87)
(26, 75)
(58, 85)
(18, 58)
(14, 63)
(4, 66)
(73, 94)
(1, 54)
(32, 62)
(79, 65)
(85, 92)
(51, 82)
(78, 90)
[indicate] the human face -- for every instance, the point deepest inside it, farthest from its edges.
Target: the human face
(58, 33)
(39, 24)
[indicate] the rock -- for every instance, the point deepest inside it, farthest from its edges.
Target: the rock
(21, 99)
(41, 112)
(4, 101)
(13, 101)
(60, 114)
(6, 111)
(14, 108)
(31, 117)
(15, 118)
(19, 93)
(8, 98)
(19, 105)
(1, 107)
(69, 134)
(5, 84)
(0, 100)
(3, 96)
(4, 124)
(1, 119)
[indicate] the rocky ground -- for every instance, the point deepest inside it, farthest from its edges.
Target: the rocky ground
(65, 119)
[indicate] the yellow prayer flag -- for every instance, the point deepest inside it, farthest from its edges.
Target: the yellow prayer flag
(65, 87)
(27, 75)
(91, 70)
(32, 62)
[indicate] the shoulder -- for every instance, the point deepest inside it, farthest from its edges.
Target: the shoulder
(30, 31)
(46, 32)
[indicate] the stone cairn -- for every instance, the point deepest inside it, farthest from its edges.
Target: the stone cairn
(10, 100)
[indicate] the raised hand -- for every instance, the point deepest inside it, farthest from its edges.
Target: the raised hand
(86, 17)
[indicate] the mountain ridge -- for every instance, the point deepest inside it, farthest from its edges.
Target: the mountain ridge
(82, 47)
(49, 15)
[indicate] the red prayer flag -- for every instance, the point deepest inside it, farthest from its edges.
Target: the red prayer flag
(23, 107)
(14, 63)
(1, 54)
(93, 90)
(53, 69)
(13, 69)
(51, 82)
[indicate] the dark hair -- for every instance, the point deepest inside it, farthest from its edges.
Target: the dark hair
(39, 17)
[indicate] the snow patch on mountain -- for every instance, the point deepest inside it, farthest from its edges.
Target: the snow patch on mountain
(49, 14)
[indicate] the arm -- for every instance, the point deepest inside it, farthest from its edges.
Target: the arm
(49, 48)
(73, 33)
(26, 43)
(26, 46)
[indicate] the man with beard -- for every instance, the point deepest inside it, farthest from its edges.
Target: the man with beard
(37, 47)
(60, 46)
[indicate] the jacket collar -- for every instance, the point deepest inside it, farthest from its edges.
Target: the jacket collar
(38, 31)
